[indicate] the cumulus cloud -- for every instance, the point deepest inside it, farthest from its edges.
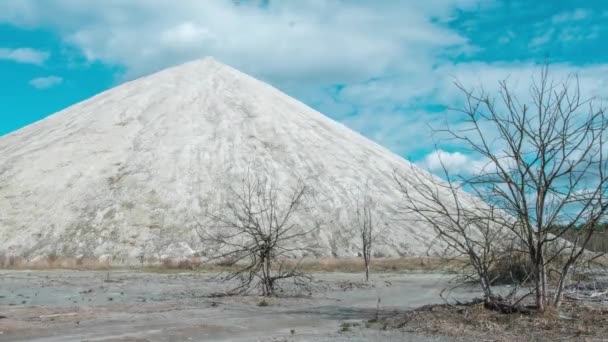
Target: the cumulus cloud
(565, 28)
(46, 82)
(312, 40)
(302, 47)
(455, 163)
(384, 68)
(24, 55)
(575, 15)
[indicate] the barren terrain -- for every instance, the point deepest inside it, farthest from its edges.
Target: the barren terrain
(63, 305)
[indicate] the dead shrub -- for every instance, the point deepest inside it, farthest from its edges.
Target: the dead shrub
(9, 261)
(515, 268)
(226, 262)
(181, 263)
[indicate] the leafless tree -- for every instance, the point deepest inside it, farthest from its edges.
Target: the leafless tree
(364, 223)
(256, 230)
(469, 230)
(365, 228)
(545, 166)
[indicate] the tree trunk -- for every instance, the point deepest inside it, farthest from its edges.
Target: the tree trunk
(267, 286)
(366, 258)
(544, 281)
(557, 299)
(540, 282)
(486, 288)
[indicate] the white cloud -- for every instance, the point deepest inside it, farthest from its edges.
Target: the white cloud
(456, 163)
(185, 34)
(300, 46)
(385, 111)
(542, 39)
(311, 40)
(46, 82)
(575, 15)
(593, 79)
(564, 28)
(24, 55)
(391, 59)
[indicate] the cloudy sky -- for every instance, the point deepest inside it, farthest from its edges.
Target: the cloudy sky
(384, 68)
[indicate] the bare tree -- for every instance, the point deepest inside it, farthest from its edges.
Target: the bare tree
(257, 232)
(468, 229)
(365, 227)
(545, 167)
(363, 224)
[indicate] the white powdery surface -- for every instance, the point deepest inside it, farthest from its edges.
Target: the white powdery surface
(121, 175)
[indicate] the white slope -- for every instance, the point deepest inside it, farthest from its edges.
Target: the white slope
(122, 174)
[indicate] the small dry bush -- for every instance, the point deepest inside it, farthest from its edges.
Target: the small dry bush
(52, 262)
(515, 268)
(518, 269)
(10, 261)
(327, 264)
(181, 263)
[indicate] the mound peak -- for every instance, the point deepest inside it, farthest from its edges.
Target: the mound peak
(122, 174)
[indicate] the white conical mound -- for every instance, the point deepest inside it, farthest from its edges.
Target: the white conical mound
(122, 174)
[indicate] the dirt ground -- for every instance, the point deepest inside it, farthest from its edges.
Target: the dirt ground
(62, 305)
(575, 321)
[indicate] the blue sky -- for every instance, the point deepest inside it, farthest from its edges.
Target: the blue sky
(383, 68)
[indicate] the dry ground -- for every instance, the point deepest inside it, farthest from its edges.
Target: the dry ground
(574, 322)
(161, 304)
(126, 305)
